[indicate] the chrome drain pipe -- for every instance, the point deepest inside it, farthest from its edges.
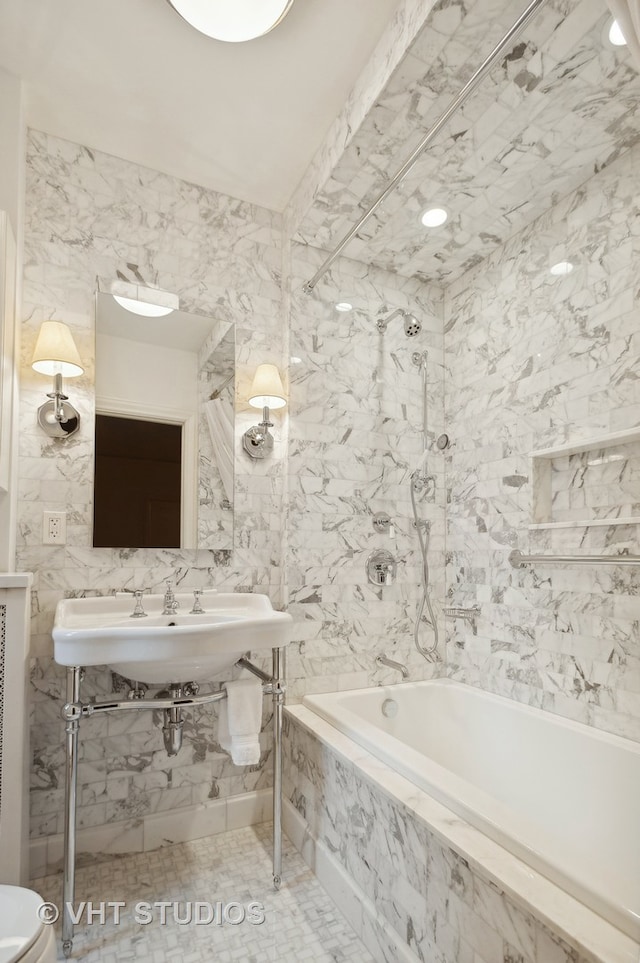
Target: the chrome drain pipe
(173, 702)
(172, 731)
(173, 724)
(174, 716)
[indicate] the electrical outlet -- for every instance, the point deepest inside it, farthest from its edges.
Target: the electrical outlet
(54, 528)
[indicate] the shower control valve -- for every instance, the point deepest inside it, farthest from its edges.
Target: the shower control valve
(381, 568)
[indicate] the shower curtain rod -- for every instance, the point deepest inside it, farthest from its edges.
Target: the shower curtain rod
(433, 131)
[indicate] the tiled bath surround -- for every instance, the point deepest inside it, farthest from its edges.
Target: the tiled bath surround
(533, 361)
(355, 437)
(92, 215)
(417, 882)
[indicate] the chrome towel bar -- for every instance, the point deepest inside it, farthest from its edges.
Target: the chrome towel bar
(518, 560)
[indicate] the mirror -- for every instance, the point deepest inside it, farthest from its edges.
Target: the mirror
(164, 437)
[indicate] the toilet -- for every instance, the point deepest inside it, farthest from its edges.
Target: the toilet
(22, 936)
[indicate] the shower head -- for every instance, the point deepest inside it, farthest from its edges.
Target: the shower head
(411, 324)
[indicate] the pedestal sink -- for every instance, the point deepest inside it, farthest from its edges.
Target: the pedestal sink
(137, 639)
(177, 648)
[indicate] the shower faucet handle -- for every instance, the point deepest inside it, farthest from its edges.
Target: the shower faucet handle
(381, 568)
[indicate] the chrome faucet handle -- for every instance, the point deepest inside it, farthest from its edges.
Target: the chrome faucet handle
(138, 611)
(197, 605)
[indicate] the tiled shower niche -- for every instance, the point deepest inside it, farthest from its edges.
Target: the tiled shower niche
(591, 483)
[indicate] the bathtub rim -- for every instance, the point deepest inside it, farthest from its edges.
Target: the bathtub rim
(594, 937)
(470, 801)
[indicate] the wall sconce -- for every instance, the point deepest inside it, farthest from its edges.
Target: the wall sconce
(145, 301)
(266, 392)
(55, 354)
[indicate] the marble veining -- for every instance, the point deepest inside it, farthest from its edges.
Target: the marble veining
(399, 33)
(91, 215)
(558, 107)
(532, 362)
(300, 922)
(354, 439)
(448, 892)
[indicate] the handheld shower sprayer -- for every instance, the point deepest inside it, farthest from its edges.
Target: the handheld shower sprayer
(411, 324)
(419, 483)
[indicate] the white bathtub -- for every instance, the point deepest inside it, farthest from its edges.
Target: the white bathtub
(561, 796)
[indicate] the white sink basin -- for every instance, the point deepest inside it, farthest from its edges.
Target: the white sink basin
(167, 648)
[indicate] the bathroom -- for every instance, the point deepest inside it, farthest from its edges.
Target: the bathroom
(537, 169)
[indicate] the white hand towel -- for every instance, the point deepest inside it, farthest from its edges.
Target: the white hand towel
(239, 721)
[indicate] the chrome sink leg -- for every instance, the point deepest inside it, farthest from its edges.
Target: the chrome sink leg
(71, 713)
(278, 703)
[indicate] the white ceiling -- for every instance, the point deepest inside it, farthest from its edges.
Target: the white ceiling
(131, 78)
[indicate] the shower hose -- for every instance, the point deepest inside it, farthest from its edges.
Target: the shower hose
(417, 483)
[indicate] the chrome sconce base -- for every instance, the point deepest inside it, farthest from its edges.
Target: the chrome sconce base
(257, 441)
(58, 420)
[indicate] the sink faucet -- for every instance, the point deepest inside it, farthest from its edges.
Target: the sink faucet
(171, 604)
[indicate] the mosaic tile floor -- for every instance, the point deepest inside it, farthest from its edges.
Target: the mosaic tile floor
(301, 924)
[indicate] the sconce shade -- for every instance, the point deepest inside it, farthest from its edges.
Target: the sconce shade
(55, 351)
(267, 390)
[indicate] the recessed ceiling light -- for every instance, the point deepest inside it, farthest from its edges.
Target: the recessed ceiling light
(344, 306)
(561, 268)
(616, 36)
(232, 20)
(434, 217)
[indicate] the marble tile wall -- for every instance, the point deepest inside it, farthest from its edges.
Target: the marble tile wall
(530, 361)
(91, 215)
(596, 485)
(559, 105)
(407, 21)
(383, 849)
(355, 437)
(533, 361)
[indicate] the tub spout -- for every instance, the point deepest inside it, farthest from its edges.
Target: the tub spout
(382, 660)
